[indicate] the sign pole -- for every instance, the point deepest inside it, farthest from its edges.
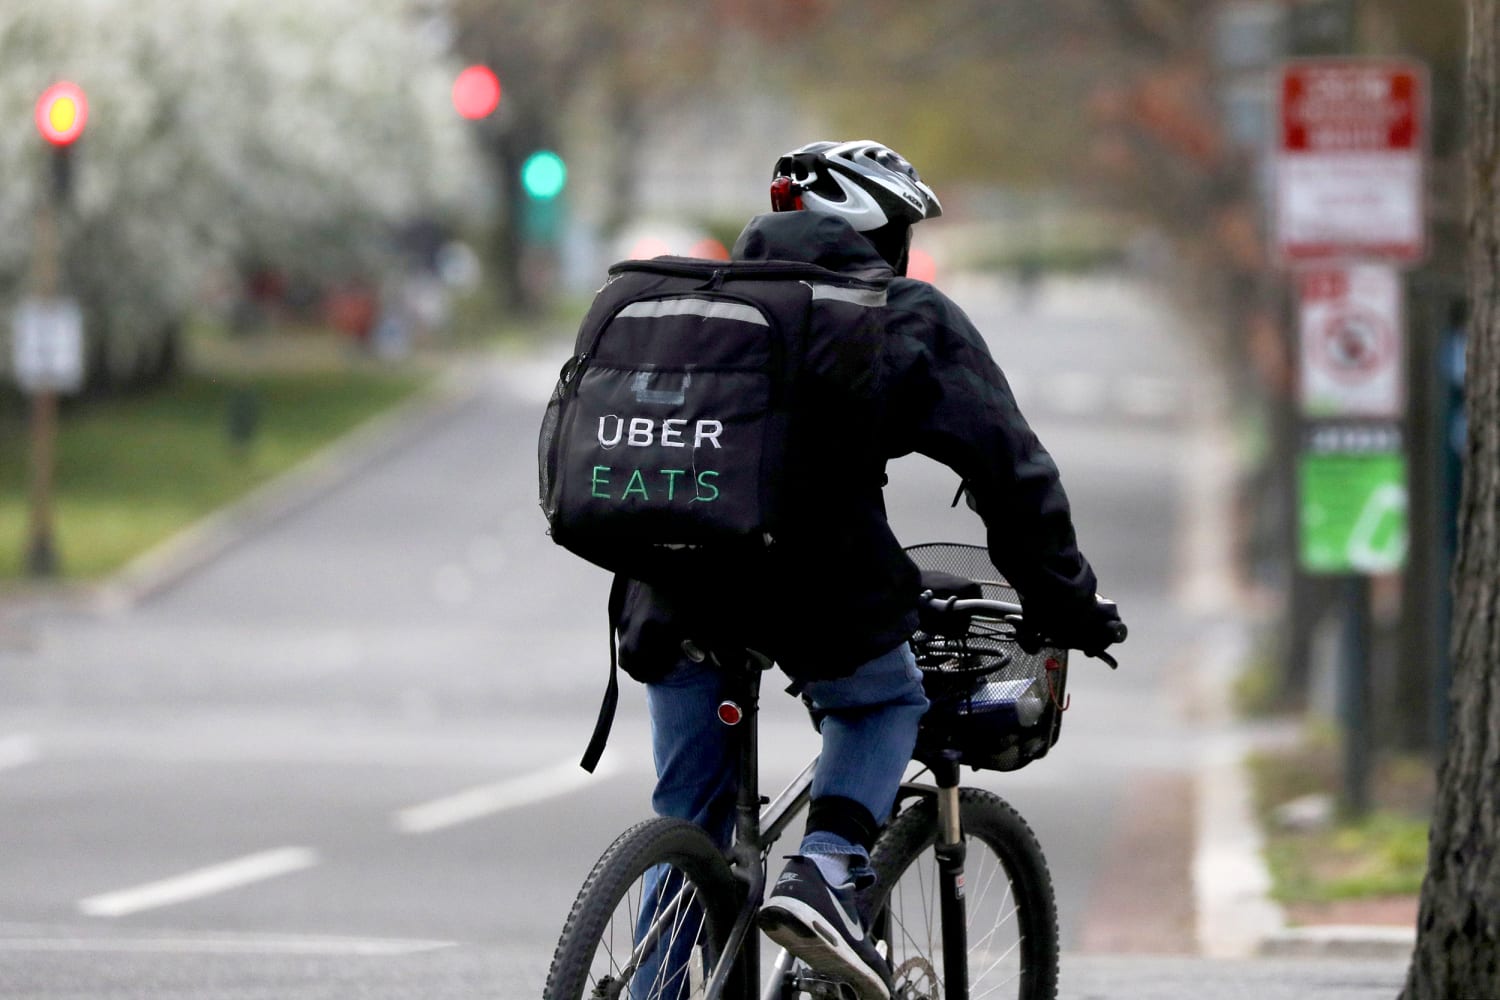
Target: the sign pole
(41, 550)
(1354, 693)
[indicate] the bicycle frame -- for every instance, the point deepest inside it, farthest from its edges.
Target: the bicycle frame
(759, 823)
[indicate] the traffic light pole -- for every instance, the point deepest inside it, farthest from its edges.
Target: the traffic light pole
(41, 550)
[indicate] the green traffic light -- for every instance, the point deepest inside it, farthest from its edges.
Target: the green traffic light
(544, 175)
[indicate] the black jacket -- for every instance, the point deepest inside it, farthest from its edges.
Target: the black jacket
(842, 590)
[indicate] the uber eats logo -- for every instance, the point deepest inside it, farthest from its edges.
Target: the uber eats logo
(663, 485)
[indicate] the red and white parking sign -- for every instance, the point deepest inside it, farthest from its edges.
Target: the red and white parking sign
(1350, 160)
(1352, 345)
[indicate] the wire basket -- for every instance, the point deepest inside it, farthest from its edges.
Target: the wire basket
(997, 706)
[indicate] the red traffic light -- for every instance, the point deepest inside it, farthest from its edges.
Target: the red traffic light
(476, 92)
(61, 113)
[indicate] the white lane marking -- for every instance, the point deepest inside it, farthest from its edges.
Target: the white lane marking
(222, 944)
(486, 800)
(16, 751)
(200, 882)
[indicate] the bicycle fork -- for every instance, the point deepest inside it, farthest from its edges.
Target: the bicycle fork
(950, 852)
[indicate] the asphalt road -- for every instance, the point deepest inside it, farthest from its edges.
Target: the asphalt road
(338, 759)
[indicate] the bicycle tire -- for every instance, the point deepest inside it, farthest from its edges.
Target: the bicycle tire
(1001, 849)
(600, 933)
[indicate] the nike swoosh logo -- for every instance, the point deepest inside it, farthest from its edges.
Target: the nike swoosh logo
(852, 927)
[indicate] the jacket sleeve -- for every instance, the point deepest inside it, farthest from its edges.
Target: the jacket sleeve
(960, 411)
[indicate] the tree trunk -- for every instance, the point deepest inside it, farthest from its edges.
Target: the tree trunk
(1458, 926)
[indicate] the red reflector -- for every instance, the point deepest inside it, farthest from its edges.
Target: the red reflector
(729, 713)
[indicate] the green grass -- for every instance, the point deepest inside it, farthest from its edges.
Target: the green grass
(1383, 853)
(133, 470)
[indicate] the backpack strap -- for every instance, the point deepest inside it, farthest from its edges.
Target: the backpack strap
(606, 719)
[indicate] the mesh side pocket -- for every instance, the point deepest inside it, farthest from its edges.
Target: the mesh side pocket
(547, 459)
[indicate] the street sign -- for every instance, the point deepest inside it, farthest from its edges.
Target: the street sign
(1349, 162)
(1352, 491)
(47, 345)
(1352, 344)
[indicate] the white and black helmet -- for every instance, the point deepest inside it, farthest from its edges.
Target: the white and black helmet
(869, 184)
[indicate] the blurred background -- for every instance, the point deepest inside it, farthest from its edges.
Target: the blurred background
(254, 227)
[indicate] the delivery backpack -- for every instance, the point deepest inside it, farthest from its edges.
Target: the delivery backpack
(704, 401)
(701, 404)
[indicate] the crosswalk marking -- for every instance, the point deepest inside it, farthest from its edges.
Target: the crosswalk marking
(201, 882)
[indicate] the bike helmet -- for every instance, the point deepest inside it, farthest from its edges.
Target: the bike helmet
(870, 185)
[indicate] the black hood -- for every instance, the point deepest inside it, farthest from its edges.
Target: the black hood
(811, 238)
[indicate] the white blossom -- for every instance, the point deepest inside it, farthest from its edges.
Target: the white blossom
(222, 131)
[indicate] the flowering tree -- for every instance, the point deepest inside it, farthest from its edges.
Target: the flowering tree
(222, 133)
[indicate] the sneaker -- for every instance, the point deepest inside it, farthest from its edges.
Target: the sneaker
(819, 924)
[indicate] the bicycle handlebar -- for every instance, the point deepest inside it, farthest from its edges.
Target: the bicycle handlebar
(995, 609)
(1013, 613)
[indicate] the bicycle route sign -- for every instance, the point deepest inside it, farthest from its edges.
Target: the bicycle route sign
(1353, 509)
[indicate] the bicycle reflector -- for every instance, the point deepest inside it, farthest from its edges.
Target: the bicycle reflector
(729, 713)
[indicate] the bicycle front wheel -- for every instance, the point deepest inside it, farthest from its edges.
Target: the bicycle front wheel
(1009, 903)
(651, 920)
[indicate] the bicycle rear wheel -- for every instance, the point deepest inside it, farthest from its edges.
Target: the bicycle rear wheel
(651, 920)
(1010, 908)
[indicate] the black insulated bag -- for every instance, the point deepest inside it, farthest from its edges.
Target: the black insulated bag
(701, 399)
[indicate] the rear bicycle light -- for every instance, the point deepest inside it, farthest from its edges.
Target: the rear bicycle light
(786, 196)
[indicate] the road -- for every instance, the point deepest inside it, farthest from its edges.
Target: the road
(338, 758)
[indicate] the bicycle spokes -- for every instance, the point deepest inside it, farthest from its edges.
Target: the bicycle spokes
(916, 933)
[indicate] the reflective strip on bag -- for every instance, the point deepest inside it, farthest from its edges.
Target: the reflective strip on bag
(707, 308)
(871, 298)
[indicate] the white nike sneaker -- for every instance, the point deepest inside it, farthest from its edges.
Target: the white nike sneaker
(819, 924)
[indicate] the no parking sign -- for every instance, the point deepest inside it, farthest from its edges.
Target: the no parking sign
(1351, 323)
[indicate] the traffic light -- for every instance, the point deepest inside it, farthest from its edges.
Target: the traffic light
(61, 113)
(476, 92)
(544, 175)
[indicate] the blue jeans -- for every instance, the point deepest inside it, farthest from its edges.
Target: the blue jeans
(868, 721)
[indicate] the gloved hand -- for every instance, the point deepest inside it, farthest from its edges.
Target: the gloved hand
(1090, 628)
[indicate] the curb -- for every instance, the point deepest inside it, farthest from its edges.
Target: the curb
(160, 567)
(1340, 941)
(1231, 881)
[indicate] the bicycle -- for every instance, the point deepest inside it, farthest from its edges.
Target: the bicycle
(963, 897)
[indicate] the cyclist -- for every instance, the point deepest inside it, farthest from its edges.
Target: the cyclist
(850, 206)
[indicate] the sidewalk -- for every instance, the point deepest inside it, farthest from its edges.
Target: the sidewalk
(1236, 918)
